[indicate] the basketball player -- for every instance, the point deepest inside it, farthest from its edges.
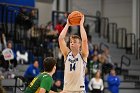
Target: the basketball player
(75, 59)
(43, 82)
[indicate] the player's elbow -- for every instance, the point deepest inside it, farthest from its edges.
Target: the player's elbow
(60, 38)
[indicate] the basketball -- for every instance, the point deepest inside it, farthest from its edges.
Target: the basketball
(74, 18)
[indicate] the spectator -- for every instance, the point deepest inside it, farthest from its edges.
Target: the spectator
(4, 40)
(107, 56)
(94, 64)
(32, 18)
(13, 62)
(113, 82)
(63, 18)
(32, 71)
(103, 64)
(49, 26)
(101, 58)
(57, 86)
(3, 43)
(107, 64)
(96, 49)
(23, 18)
(59, 27)
(96, 84)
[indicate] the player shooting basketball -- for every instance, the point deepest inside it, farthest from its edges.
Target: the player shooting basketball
(75, 59)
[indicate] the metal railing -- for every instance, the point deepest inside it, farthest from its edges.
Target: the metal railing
(20, 87)
(104, 27)
(98, 22)
(112, 31)
(121, 37)
(138, 49)
(125, 61)
(130, 43)
(9, 13)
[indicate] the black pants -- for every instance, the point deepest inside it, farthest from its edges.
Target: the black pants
(96, 91)
(106, 68)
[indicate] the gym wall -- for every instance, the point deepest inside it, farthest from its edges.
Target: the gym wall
(45, 10)
(119, 11)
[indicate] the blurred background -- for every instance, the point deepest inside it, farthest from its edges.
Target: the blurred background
(29, 31)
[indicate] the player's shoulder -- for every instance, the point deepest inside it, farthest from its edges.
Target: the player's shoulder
(93, 78)
(67, 55)
(46, 77)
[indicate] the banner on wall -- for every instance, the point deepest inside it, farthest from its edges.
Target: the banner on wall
(20, 2)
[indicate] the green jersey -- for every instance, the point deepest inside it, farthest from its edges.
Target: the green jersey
(43, 80)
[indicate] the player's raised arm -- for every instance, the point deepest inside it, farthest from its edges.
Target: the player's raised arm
(84, 45)
(63, 46)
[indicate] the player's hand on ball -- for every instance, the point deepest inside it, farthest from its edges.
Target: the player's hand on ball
(68, 22)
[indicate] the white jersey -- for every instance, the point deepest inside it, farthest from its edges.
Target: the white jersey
(74, 73)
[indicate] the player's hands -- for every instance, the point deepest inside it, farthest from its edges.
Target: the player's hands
(82, 20)
(68, 22)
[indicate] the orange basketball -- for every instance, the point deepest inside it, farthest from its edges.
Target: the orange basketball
(74, 18)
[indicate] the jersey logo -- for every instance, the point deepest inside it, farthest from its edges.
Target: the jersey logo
(73, 64)
(73, 61)
(44, 75)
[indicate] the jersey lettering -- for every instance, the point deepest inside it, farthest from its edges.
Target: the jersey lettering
(31, 84)
(72, 66)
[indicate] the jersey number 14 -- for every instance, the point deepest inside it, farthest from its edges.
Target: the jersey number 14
(72, 66)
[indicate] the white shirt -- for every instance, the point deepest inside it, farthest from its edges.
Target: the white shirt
(94, 84)
(74, 73)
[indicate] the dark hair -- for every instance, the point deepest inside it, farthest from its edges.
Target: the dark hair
(97, 72)
(112, 69)
(9, 42)
(35, 60)
(49, 63)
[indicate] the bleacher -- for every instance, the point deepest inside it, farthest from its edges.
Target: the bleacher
(124, 54)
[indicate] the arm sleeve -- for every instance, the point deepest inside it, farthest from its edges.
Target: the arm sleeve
(26, 72)
(46, 83)
(118, 81)
(90, 84)
(31, 73)
(111, 81)
(102, 85)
